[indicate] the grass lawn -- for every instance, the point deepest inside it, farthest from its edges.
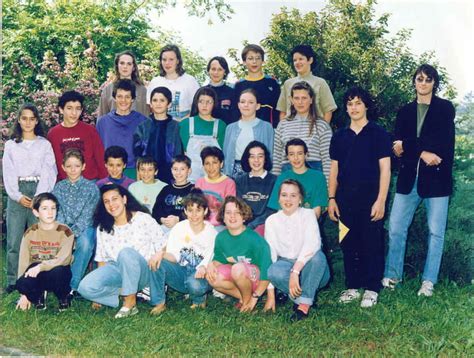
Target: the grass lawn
(401, 325)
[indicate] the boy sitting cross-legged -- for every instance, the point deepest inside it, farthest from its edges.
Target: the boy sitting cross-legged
(147, 188)
(115, 158)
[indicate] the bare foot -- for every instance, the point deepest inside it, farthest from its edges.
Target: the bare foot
(198, 305)
(96, 306)
(158, 309)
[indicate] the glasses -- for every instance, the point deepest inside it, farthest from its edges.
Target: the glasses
(424, 79)
(256, 59)
(206, 101)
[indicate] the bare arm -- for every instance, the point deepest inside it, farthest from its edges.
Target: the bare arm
(378, 208)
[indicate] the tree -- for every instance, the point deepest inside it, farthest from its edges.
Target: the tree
(352, 48)
(50, 46)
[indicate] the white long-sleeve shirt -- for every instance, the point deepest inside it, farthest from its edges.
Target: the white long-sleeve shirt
(189, 248)
(294, 237)
(142, 233)
(25, 159)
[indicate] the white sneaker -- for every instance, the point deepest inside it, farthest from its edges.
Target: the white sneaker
(426, 289)
(349, 295)
(390, 283)
(369, 299)
(144, 294)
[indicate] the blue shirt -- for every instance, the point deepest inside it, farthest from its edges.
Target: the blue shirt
(77, 203)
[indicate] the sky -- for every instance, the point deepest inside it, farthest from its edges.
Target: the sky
(443, 26)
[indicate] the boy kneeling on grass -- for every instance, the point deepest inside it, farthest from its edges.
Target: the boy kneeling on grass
(45, 257)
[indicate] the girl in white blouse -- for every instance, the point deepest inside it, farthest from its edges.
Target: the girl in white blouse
(129, 242)
(299, 266)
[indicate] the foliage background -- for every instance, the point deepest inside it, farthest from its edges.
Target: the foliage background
(52, 46)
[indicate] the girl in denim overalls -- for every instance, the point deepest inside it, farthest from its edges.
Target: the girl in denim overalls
(201, 130)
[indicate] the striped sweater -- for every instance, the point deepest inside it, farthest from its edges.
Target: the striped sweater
(318, 142)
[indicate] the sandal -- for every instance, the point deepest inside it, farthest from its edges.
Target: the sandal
(126, 312)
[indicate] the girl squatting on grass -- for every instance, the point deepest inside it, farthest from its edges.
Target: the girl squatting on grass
(129, 242)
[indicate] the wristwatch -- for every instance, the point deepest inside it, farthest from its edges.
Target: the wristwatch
(254, 295)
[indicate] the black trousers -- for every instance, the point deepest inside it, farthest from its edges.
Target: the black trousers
(56, 280)
(363, 246)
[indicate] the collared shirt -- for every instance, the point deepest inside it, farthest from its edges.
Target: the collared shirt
(77, 202)
(262, 176)
(294, 236)
(358, 154)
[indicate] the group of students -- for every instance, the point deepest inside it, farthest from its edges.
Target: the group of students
(229, 192)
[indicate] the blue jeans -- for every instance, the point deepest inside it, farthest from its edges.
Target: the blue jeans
(401, 216)
(315, 275)
(19, 219)
(179, 278)
(84, 247)
(126, 276)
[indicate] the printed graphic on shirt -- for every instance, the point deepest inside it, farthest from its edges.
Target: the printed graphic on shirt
(74, 142)
(254, 196)
(174, 109)
(189, 257)
(175, 201)
(44, 250)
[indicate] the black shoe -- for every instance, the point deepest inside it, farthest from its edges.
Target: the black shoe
(298, 315)
(41, 303)
(64, 304)
(9, 289)
(281, 298)
(74, 295)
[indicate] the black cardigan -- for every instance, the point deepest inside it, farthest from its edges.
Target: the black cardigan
(436, 136)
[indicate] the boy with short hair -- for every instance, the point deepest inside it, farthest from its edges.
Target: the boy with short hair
(313, 181)
(45, 257)
(215, 185)
(74, 133)
(115, 158)
(358, 187)
(304, 61)
(158, 136)
(267, 87)
(168, 209)
(118, 126)
(147, 188)
(78, 198)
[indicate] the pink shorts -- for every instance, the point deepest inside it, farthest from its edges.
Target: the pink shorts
(253, 273)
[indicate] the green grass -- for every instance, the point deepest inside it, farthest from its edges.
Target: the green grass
(401, 325)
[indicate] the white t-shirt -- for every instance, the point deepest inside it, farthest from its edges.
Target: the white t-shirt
(183, 89)
(189, 248)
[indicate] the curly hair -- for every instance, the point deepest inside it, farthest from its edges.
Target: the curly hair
(245, 210)
(103, 220)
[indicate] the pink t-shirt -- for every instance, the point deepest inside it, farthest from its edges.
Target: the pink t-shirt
(216, 191)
